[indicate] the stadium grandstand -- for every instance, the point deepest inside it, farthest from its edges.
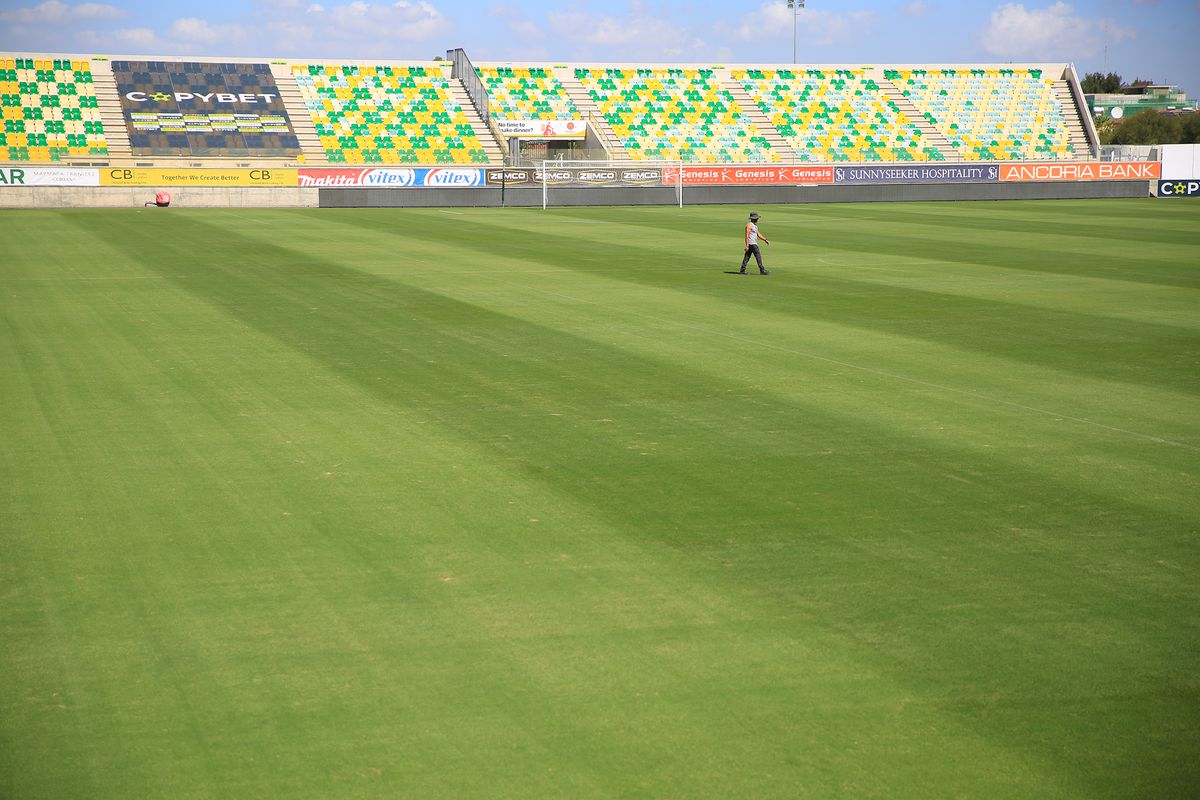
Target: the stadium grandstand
(114, 110)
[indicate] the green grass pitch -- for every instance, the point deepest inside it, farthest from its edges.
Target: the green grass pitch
(524, 504)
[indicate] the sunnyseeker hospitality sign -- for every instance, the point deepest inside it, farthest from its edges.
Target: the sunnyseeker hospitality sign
(918, 173)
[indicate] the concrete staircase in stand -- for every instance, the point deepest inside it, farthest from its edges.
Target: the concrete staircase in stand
(111, 116)
(1071, 115)
(491, 145)
(596, 121)
(930, 135)
(757, 120)
(289, 92)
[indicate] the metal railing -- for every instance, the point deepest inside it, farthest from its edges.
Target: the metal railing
(1129, 152)
(464, 70)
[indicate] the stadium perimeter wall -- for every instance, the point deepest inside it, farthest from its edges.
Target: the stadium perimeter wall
(716, 195)
(287, 197)
(132, 197)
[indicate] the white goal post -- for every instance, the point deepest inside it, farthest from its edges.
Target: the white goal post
(620, 173)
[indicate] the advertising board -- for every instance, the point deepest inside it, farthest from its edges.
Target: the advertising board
(192, 108)
(542, 128)
(1183, 188)
(511, 177)
(748, 175)
(48, 176)
(137, 176)
(1083, 171)
(917, 173)
(391, 177)
(600, 175)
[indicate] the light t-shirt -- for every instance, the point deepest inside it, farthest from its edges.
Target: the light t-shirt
(751, 234)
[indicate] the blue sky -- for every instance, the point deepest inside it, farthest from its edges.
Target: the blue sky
(1154, 39)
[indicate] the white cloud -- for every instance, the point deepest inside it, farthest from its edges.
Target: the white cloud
(1054, 32)
(813, 26)
(300, 28)
(357, 29)
(515, 20)
(125, 40)
(54, 12)
(191, 31)
(184, 36)
(917, 8)
(637, 35)
(377, 23)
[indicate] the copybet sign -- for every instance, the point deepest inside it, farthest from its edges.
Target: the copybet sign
(48, 176)
(391, 177)
(1187, 188)
(1087, 171)
(201, 97)
(203, 109)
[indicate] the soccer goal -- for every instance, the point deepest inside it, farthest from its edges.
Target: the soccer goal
(663, 176)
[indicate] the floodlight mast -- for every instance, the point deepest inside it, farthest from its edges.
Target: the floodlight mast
(794, 6)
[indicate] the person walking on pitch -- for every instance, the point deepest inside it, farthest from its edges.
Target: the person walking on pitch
(752, 238)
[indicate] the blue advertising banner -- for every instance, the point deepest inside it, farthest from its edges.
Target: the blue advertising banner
(391, 177)
(918, 173)
(1185, 188)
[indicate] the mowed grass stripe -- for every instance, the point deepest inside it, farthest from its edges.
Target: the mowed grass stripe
(989, 325)
(1091, 345)
(840, 630)
(198, 717)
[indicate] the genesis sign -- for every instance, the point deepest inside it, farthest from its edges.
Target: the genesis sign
(748, 175)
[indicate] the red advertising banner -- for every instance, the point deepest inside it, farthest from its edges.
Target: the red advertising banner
(1089, 171)
(747, 175)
